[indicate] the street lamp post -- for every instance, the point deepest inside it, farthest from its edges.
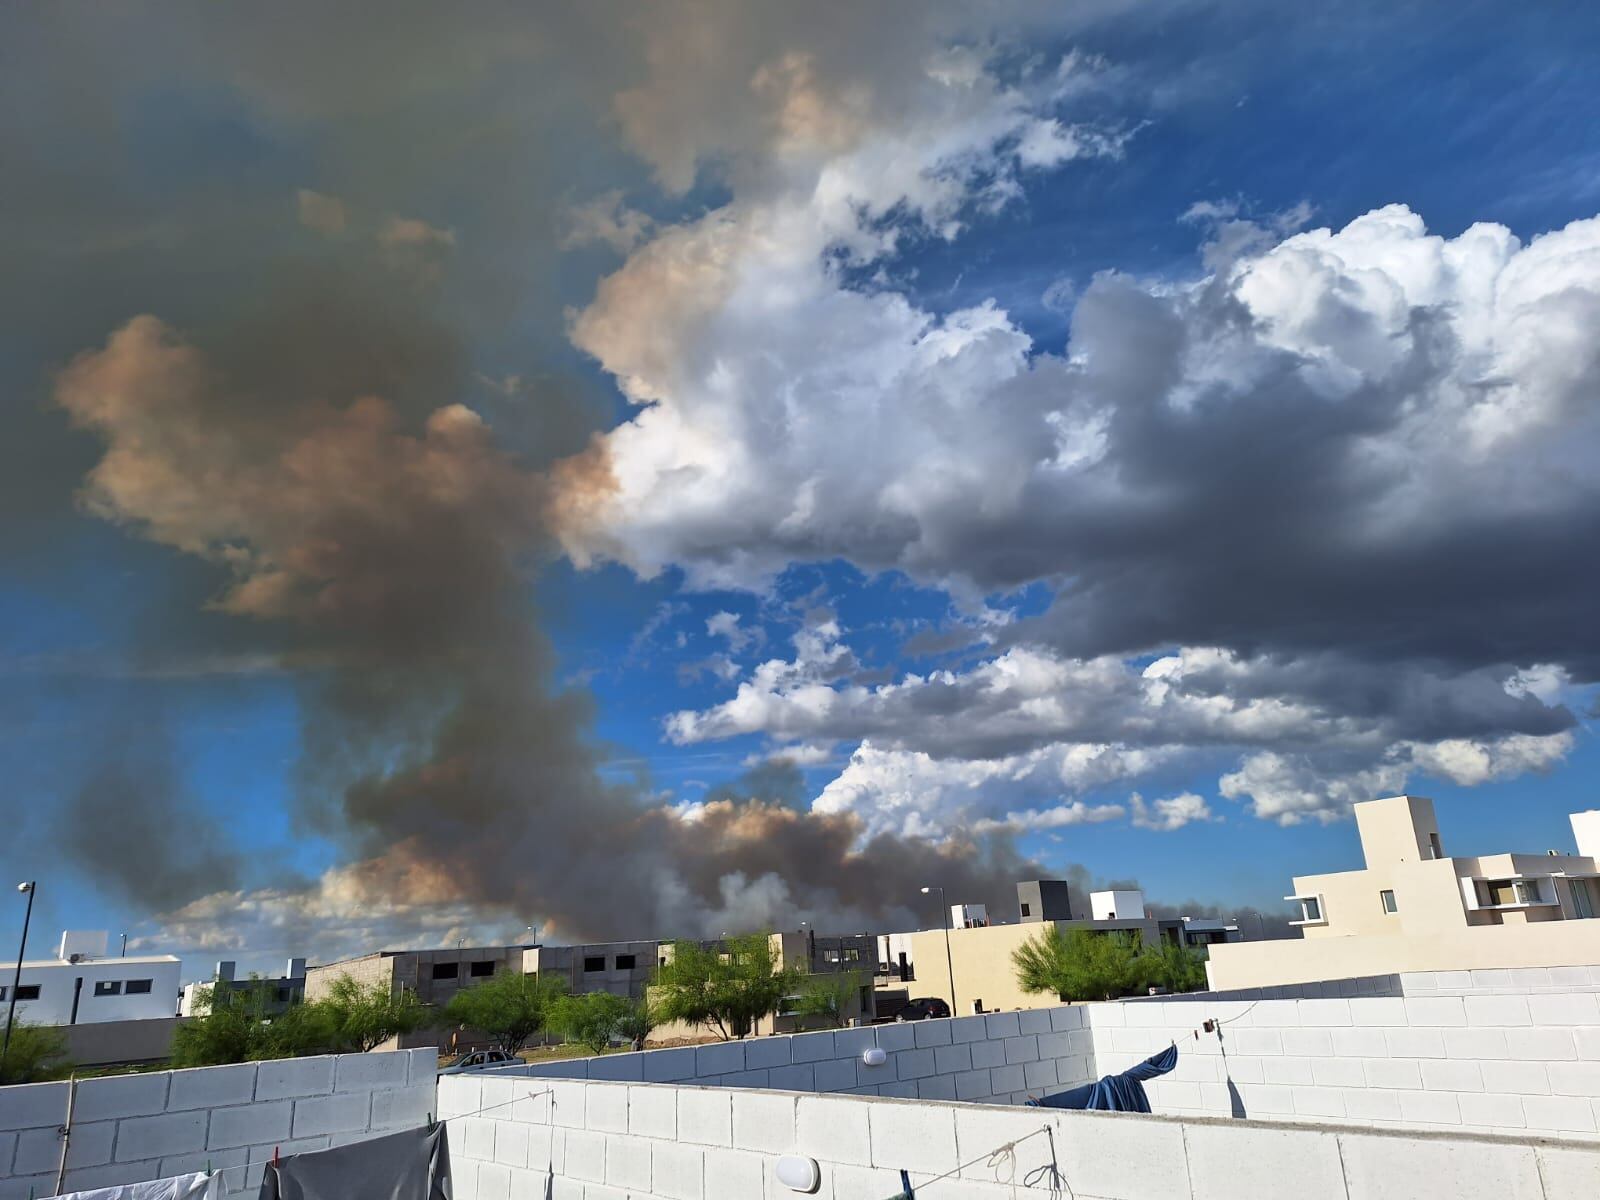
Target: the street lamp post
(31, 887)
(948, 961)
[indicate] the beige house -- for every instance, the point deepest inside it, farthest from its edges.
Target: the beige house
(978, 974)
(811, 954)
(1414, 908)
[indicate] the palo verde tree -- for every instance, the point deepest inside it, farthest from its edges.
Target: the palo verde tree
(826, 998)
(364, 1016)
(591, 1019)
(1079, 965)
(511, 1007)
(1174, 967)
(637, 1023)
(725, 988)
(240, 1024)
(35, 1052)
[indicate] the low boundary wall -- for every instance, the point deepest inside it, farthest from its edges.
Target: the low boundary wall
(131, 1128)
(1001, 1058)
(609, 1141)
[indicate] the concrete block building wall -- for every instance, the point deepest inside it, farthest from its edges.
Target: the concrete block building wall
(1477, 1062)
(592, 1140)
(130, 1128)
(1001, 1058)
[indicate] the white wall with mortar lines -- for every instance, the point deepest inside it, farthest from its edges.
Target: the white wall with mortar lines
(510, 1137)
(1001, 1058)
(1508, 1052)
(1486, 1061)
(130, 1128)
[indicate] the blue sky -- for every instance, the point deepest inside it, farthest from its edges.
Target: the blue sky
(985, 376)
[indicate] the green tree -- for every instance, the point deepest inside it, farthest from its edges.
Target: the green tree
(1079, 965)
(511, 1007)
(827, 997)
(637, 1023)
(1174, 967)
(239, 1025)
(726, 989)
(591, 1019)
(364, 1016)
(35, 1052)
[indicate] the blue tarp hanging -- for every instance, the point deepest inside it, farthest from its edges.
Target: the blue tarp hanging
(1115, 1093)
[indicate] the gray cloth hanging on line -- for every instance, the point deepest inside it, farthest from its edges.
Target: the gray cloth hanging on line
(195, 1186)
(412, 1165)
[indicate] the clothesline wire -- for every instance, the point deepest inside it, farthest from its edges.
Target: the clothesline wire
(998, 1156)
(1221, 1021)
(503, 1104)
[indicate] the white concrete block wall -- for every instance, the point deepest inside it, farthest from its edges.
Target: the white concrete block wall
(999, 1058)
(129, 1128)
(1501, 981)
(1476, 1062)
(608, 1141)
(1483, 1062)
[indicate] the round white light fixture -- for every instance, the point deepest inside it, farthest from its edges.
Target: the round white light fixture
(874, 1056)
(799, 1174)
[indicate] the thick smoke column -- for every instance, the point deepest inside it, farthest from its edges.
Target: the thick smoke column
(396, 556)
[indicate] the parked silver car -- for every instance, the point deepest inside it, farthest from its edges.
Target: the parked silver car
(479, 1060)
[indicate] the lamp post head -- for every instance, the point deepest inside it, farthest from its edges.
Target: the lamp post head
(25, 887)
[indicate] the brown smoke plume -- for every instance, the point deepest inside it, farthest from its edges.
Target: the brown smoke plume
(398, 554)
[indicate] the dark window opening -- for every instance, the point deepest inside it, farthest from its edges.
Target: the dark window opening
(284, 994)
(27, 991)
(446, 970)
(483, 968)
(625, 962)
(594, 962)
(138, 987)
(108, 987)
(1026, 911)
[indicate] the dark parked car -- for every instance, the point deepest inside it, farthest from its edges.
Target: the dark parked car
(922, 1009)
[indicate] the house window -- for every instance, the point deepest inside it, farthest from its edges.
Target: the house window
(1582, 898)
(625, 962)
(1311, 908)
(483, 968)
(1026, 911)
(446, 970)
(27, 991)
(1528, 892)
(138, 987)
(108, 987)
(1387, 896)
(852, 954)
(594, 962)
